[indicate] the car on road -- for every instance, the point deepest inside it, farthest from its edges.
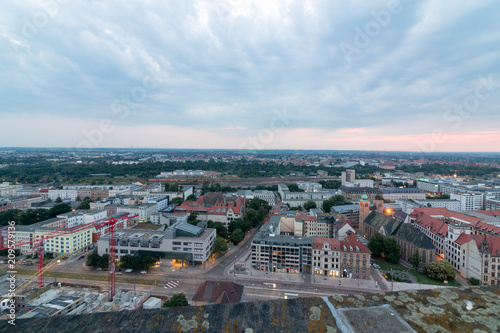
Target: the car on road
(144, 272)
(81, 257)
(376, 266)
(129, 270)
(99, 268)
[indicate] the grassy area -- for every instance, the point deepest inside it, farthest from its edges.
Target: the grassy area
(386, 266)
(424, 279)
(148, 226)
(421, 277)
(64, 275)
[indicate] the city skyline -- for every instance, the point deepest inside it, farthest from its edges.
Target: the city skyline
(230, 74)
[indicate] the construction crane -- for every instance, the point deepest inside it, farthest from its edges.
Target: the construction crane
(38, 246)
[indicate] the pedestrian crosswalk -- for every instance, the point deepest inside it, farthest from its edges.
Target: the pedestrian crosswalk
(171, 284)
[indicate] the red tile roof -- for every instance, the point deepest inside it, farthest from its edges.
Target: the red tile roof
(319, 241)
(463, 239)
(493, 242)
(353, 244)
(436, 226)
(494, 213)
(486, 227)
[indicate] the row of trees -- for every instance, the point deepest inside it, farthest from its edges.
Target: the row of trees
(31, 216)
(136, 262)
(95, 260)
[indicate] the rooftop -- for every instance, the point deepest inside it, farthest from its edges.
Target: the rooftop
(472, 309)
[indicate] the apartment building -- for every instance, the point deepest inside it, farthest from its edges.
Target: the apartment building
(326, 256)
(354, 258)
(160, 202)
(469, 201)
(479, 257)
(274, 252)
(492, 204)
(348, 176)
(448, 204)
(83, 216)
(63, 194)
(267, 196)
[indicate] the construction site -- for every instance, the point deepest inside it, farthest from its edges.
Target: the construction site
(34, 298)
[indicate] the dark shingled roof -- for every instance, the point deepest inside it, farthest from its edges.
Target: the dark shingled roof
(431, 310)
(401, 230)
(219, 292)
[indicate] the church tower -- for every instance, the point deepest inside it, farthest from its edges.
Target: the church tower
(364, 211)
(378, 202)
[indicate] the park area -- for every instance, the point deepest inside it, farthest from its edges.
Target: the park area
(400, 273)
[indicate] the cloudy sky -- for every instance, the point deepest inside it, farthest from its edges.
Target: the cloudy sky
(261, 74)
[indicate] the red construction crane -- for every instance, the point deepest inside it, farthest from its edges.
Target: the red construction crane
(38, 246)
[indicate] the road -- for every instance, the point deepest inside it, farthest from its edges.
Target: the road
(171, 280)
(239, 253)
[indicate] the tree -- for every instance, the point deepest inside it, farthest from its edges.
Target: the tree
(220, 245)
(176, 300)
(94, 259)
(415, 259)
(336, 200)
(237, 236)
(376, 244)
(309, 205)
(392, 250)
(137, 262)
(253, 217)
(219, 226)
(85, 204)
(440, 270)
(176, 200)
(193, 218)
(235, 224)
(191, 197)
(58, 200)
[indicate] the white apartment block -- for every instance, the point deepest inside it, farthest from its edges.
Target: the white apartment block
(160, 202)
(448, 204)
(469, 201)
(267, 196)
(396, 193)
(63, 194)
(79, 217)
(428, 186)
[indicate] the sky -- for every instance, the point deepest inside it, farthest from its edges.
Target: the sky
(240, 74)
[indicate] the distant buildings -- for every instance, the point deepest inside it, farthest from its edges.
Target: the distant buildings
(187, 173)
(297, 199)
(396, 193)
(348, 176)
(216, 207)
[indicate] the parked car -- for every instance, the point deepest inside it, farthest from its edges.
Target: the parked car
(129, 270)
(81, 257)
(144, 272)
